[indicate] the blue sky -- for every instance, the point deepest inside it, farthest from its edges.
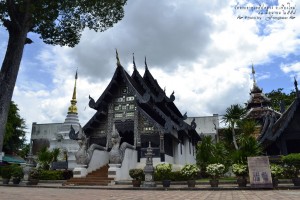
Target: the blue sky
(199, 49)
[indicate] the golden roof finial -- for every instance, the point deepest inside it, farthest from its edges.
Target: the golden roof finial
(73, 107)
(253, 74)
(117, 57)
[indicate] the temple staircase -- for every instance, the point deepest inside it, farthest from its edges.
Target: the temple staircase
(98, 177)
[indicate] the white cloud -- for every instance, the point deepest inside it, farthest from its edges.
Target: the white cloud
(198, 49)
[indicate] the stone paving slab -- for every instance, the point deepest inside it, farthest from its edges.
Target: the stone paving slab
(42, 193)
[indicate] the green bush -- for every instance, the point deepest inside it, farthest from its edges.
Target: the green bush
(163, 171)
(17, 171)
(190, 171)
(51, 175)
(177, 176)
(292, 161)
(277, 171)
(67, 174)
(136, 174)
(6, 172)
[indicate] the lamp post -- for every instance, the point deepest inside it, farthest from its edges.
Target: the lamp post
(149, 169)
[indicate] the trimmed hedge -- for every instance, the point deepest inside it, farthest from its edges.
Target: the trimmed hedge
(55, 175)
(174, 176)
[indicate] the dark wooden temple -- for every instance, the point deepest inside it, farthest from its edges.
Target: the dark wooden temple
(282, 136)
(258, 106)
(141, 112)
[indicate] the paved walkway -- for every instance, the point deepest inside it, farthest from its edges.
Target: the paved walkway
(43, 193)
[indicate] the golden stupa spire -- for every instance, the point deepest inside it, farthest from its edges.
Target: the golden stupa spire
(73, 107)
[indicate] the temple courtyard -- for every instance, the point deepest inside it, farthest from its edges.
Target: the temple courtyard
(51, 190)
(44, 193)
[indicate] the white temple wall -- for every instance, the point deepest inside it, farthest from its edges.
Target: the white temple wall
(169, 159)
(176, 153)
(129, 162)
(187, 152)
(99, 159)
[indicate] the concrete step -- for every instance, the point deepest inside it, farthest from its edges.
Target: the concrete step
(98, 177)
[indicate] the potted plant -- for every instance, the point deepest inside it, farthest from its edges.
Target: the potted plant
(292, 162)
(17, 174)
(276, 172)
(241, 173)
(190, 172)
(215, 171)
(6, 174)
(137, 175)
(164, 170)
(34, 176)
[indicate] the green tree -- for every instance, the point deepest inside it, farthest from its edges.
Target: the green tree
(24, 151)
(233, 115)
(209, 152)
(204, 152)
(57, 22)
(246, 126)
(278, 97)
(249, 146)
(14, 131)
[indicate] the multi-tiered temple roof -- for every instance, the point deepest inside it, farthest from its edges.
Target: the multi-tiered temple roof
(258, 105)
(282, 136)
(151, 100)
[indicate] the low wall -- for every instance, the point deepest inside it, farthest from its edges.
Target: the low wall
(129, 162)
(99, 159)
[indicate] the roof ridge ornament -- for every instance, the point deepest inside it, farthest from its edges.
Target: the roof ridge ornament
(296, 87)
(118, 60)
(146, 66)
(134, 66)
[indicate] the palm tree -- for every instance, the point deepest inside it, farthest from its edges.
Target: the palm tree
(204, 152)
(233, 115)
(247, 126)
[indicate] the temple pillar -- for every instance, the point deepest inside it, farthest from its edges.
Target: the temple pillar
(162, 146)
(110, 122)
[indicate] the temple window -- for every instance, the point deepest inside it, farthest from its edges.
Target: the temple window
(118, 115)
(130, 114)
(117, 107)
(149, 128)
(131, 98)
(123, 107)
(124, 90)
(120, 99)
(131, 106)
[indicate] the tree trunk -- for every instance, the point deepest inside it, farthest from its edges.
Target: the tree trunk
(234, 138)
(9, 72)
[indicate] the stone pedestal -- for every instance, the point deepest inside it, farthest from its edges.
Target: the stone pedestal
(114, 171)
(1, 156)
(80, 171)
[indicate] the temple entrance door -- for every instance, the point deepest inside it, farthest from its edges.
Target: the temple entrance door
(127, 136)
(126, 131)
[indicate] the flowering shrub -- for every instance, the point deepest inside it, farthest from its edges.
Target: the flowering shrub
(190, 171)
(276, 171)
(292, 161)
(164, 170)
(34, 174)
(240, 169)
(137, 174)
(215, 170)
